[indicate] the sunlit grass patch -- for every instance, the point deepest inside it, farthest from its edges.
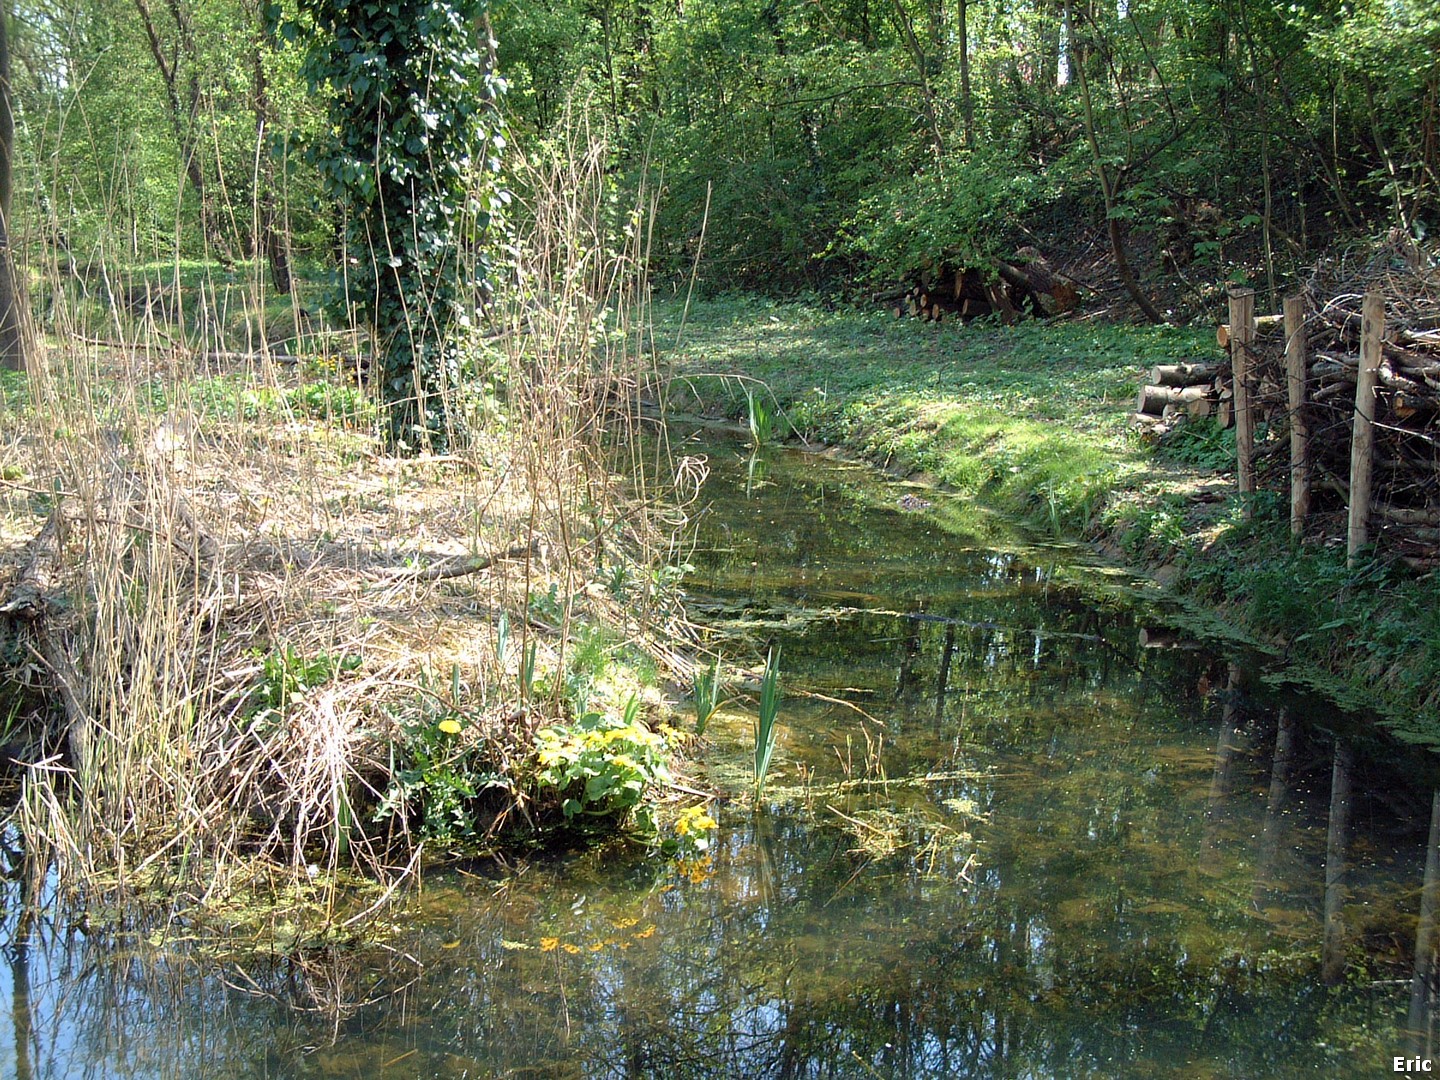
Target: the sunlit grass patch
(1034, 417)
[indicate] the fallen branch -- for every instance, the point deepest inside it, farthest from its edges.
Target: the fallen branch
(466, 564)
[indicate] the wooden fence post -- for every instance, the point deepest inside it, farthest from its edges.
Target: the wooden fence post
(1242, 333)
(1299, 432)
(1372, 334)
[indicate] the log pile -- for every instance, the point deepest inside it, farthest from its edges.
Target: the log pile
(1404, 497)
(1008, 289)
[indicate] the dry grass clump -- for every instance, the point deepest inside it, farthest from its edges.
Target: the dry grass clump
(242, 607)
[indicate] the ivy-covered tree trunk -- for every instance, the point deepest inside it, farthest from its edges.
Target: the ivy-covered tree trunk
(415, 134)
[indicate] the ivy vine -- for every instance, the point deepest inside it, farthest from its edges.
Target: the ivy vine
(414, 147)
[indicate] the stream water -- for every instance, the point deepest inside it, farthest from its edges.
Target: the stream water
(1021, 823)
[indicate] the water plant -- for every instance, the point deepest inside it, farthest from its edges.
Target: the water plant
(527, 671)
(601, 765)
(766, 732)
(761, 419)
(707, 690)
(437, 776)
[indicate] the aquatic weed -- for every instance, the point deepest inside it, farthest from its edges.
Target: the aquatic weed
(766, 732)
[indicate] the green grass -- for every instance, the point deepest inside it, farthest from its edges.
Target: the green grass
(1033, 417)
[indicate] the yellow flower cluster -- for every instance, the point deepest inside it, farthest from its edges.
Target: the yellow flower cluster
(693, 820)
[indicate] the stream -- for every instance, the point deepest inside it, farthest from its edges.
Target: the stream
(1025, 820)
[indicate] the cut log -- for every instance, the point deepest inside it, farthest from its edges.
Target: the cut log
(1035, 282)
(1000, 302)
(1225, 409)
(1262, 322)
(886, 296)
(1408, 404)
(1153, 399)
(1201, 408)
(1184, 374)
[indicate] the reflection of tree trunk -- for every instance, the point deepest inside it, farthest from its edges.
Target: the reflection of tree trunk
(911, 650)
(1279, 791)
(12, 308)
(1421, 983)
(1332, 956)
(944, 681)
(1228, 740)
(20, 993)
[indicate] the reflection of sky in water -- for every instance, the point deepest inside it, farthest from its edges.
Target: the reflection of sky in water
(1111, 912)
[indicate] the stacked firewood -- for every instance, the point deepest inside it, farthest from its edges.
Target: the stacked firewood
(1405, 500)
(1008, 289)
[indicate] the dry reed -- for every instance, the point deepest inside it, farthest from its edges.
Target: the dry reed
(209, 530)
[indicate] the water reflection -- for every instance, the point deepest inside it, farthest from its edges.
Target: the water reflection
(1337, 885)
(1421, 1018)
(1079, 853)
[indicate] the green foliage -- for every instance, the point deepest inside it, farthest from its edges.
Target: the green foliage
(969, 213)
(766, 733)
(415, 136)
(14, 392)
(759, 418)
(288, 677)
(440, 776)
(708, 688)
(1206, 446)
(600, 766)
(586, 663)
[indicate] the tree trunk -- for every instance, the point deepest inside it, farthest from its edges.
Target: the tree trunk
(183, 115)
(12, 306)
(967, 102)
(273, 239)
(1109, 194)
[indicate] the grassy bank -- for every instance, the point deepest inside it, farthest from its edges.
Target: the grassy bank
(1034, 419)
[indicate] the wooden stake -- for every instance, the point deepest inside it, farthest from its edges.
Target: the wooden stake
(1299, 432)
(1362, 442)
(1242, 333)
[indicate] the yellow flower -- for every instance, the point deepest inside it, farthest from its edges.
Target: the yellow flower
(548, 944)
(571, 949)
(450, 726)
(649, 931)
